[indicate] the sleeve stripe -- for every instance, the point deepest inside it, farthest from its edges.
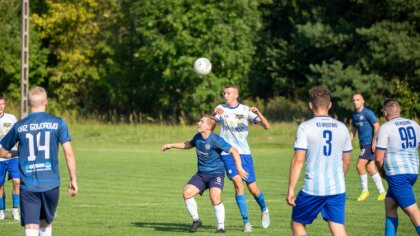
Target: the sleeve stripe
(304, 149)
(348, 150)
(379, 148)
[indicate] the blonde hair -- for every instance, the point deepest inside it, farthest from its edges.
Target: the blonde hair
(392, 107)
(37, 95)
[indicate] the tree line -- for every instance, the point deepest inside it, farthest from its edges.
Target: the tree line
(132, 59)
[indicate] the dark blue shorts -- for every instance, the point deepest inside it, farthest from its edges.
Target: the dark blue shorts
(203, 182)
(247, 164)
(400, 189)
(12, 167)
(38, 205)
(308, 206)
(366, 153)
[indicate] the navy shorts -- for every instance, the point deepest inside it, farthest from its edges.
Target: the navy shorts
(247, 164)
(366, 153)
(38, 205)
(203, 182)
(12, 167)
(400, 189)
(308, 206)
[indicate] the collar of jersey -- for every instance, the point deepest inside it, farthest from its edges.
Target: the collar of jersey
(233, 107)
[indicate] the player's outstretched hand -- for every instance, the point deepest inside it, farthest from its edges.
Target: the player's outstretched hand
(290, 199)
(254, 109)
(73, 188)
(218, 111)
(244, 175)
(166, 147)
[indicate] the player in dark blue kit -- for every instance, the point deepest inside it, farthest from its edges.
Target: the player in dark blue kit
(366, 124)
(39, 135)
(211, 170)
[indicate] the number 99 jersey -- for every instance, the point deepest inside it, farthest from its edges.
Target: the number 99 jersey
(324, 139)
(400, 139)
(38, 135)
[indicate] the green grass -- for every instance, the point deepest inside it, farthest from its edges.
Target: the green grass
(128, 187)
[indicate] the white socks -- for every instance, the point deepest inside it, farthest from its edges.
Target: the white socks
(31, 232)
(191, 206)
(219, 212)
(364, 182)
(378, 182)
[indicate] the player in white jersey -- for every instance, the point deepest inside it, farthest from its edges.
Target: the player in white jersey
(397, 161)
(326, 145)
(8, 166)
(234, 118)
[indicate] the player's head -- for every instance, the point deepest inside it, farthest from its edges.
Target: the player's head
(391, 108)
(206, 123)
(2, 104)
(320, 98)
(231, 94)
(358, 101)
(37, 97)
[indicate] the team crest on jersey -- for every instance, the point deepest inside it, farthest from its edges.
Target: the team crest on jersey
(7, 125)
(207, 146)
(239, 116)
(361, 117)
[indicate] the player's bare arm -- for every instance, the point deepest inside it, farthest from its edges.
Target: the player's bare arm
(352, 133)
(375, 135)
(379, 161)
(218, 111)
(261, 120)
(238, 162)
(346, 161)
(295, 169)
(181, 145)
(71, 166)
(7, 154)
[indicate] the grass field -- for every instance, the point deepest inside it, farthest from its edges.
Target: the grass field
(128, 187)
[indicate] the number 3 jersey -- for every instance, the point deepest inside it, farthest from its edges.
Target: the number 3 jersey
(400, 139)
(38, 135)
(324, 139)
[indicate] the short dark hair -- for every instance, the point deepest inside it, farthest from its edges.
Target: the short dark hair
(231, 86)
(391, 106)
(1, 97)
(320, 97)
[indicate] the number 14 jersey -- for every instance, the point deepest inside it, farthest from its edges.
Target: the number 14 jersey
(38, 135)
(324, 139)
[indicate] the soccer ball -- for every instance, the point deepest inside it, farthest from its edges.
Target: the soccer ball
(202, 66)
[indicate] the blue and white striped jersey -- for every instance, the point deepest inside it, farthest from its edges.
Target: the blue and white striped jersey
(400, 138)
(324, 139)
(234, 126)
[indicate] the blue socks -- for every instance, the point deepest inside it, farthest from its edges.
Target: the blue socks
(260, 200)
(16, 200)
(391, 226)
(241, 201)
(418, 230)
(2, 203)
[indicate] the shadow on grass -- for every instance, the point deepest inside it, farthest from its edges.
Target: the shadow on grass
(168, 227)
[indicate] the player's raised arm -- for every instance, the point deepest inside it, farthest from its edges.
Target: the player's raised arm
(261, 120)
(295, 169)
(181, 145)
(236, 157)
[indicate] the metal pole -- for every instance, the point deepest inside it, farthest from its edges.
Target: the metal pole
(24, 80)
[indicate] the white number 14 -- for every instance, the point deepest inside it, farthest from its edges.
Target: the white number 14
(40, 147)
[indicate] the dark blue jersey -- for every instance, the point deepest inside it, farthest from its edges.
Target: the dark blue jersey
(208, 153)
(38, 135)
(363, 122)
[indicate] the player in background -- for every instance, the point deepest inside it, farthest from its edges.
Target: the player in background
(365, 123)
(397, 160)
(234, 118)
(326, 145)
(39, 135)
(211, 172)
(10, 166)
